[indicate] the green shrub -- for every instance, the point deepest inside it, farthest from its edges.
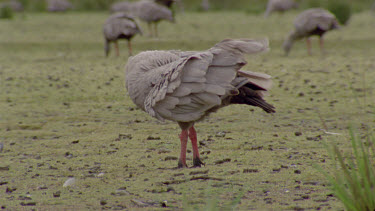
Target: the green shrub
(92, 5)
(313, 3)
(37, 5)
(6, 13)
(341, 9)
(353, 180)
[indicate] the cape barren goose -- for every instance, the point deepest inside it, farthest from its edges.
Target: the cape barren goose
(314, 21)
(123, 6)
(148, 11)
(279, 6)
(167, 3)
(13, 4)
(119, 26)
(185, 87)
(58, 5)
(153, 13)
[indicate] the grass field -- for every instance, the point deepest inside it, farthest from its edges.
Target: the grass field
(64, 112)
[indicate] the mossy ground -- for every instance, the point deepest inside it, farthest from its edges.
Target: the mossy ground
(65, 113)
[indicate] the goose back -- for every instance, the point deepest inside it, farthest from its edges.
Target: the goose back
(149, 11)
(58, 5)
(13, 4)
(313, 19)
(187, 86)
(120, 25)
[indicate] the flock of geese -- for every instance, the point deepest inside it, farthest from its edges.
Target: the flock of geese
(51, 5)
(316, 21)
(122, 24)
(185, 87)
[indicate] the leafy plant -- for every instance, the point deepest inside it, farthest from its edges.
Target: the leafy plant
(6, 13)
(341, 9)
(353, 181)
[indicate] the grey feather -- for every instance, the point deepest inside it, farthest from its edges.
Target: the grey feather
(58, 5)
(120, 26)
(13, 4)
(148, 11)
(279, 6)
(200, 81)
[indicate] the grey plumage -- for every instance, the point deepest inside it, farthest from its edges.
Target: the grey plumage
(279, 6)
(167, 3)
(14, 5)
(123, 6)
(187, 86)
(315, 21)
(153, 13)
(58, 5)
(148, 11)
(205, 5)
(119, 26)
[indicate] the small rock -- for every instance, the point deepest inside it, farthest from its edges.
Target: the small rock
(68, 155)
(28, 203)
(124, 137)
(4, 168)
(75, 142)
(69, 182)
(164, 203)
(297, 133)
(250, 171)
(170, 158)
(202, 143)
(101, 174)
(24, 198)
(276, 169)
(297, 171)
(57, 194)
(164, 151)
(10, 190)
(153, 138)
(103, 202)
(198, 172)
(222, 161)
(139, 203)
(121, 192)
(220, 134)
(206, 152)
(118, 207)
(43, 187)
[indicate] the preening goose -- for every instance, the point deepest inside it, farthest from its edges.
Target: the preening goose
(185, 87)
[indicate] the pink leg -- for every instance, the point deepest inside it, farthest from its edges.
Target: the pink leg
(308, 43)
(116, 47)
(183, 139)
(321, 44)
(193, 137)
(156, 30)
(130, 48)
(150, 29)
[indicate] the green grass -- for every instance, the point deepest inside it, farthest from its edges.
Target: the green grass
(63, 107)
(353, 180)
(6, 13)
